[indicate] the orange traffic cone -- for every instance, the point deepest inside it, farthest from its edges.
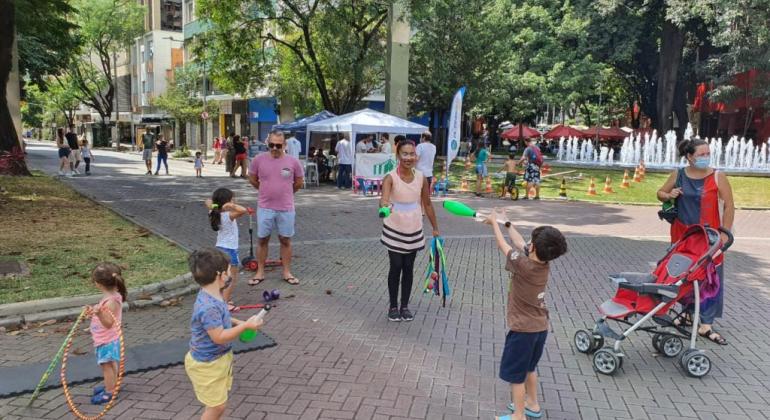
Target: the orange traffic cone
(592, 187)
(637, 178)
(489, 184)
(642, 170)
(608, 186)
(546, 169)
(625, 183)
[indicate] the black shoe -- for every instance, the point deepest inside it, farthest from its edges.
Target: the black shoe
(156, 172)
(149, 173)
(406, 315)
(525, 198)
(537, 197)
(394, 315)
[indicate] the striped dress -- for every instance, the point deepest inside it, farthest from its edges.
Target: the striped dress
(402, 230)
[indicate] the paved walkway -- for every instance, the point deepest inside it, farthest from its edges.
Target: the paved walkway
(337, 356)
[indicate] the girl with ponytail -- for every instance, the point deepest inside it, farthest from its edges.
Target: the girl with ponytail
(105, 324)
(223, 213)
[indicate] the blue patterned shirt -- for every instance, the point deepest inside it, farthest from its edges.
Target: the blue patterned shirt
(208, 313)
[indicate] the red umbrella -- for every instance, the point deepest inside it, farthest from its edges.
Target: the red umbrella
(612, 133)
(526, 132)
(560, 131)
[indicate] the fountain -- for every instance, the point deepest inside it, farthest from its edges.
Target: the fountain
(661, 152)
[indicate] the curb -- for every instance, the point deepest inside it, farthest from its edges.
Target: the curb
(16, 314)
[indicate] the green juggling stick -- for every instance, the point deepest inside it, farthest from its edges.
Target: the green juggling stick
(459, 209)
(248, 334)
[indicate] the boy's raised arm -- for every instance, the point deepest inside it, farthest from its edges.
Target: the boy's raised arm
(501, 243)
(518, 241)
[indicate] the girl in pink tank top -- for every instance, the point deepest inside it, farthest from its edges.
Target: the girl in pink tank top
(407, 193)
(108, 278)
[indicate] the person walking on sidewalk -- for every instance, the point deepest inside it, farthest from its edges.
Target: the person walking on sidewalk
(75, 156)
(148, 144)
(162, 146)
(426, 154)
(241, 157)
(405, 190)
(534, 158)
(277, 177)
(64, 152)
(344, 163)
(481, 155)
(87, 155)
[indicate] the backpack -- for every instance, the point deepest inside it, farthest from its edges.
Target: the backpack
(538, 160)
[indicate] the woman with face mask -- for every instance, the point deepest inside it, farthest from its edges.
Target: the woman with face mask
(703, 196)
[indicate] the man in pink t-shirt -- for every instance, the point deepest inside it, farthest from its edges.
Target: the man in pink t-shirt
(276, 176)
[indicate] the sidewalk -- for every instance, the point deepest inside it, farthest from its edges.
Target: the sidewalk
(337, 356)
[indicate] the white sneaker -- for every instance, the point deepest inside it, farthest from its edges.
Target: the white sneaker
(70, 175)
(61, 173)
(76, 171)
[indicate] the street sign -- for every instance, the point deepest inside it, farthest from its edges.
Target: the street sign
(204, 115)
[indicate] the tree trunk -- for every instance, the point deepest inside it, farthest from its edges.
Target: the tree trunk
(680, 107)
(672, 45)
(11, 155)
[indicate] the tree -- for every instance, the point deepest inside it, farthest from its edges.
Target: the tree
(42, 35)
(107, 27)
(337, 44)
(182, 99)
(448, 50)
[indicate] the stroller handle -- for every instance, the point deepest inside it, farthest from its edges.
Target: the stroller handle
(730, 239)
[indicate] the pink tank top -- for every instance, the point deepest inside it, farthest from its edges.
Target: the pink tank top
(99, 333)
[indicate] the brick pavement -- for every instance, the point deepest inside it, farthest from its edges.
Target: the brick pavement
(338, 358)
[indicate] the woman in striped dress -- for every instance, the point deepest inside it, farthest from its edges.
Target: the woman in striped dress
(405, 191)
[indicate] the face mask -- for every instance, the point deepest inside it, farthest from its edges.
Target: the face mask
(701, 162)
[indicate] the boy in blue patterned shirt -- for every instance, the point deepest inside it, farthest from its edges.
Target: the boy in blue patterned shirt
(209, 363)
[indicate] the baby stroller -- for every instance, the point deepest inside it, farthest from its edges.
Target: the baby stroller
(677, 278)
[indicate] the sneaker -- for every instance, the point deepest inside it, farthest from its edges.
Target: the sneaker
(394, 315)
(69, 175)
(406, 315)
(61, 173)
(88, 173)
(537, 197)
(525, 198)
(76, 171)
(156, 172)
(149, 173)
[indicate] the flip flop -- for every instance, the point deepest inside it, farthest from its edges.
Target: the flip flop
(255, 281)
(718, 339)
(527, 411)
(289, 280)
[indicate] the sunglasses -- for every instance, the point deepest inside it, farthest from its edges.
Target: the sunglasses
(278, 146)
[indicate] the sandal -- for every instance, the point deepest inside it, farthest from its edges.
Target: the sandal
(527, 411)
(255, 281)
(683, 320)
(102, 398)
(291, 280)
(713, 336)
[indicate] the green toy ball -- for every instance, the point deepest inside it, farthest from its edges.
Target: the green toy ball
(248, 336)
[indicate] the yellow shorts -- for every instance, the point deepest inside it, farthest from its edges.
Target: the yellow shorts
(211, 380)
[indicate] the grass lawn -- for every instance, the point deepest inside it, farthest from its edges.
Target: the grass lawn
(749, 192)
(61, 235)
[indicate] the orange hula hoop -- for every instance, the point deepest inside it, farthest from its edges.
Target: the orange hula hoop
(121, 371)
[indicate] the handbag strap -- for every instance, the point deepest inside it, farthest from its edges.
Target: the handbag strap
(678, 182)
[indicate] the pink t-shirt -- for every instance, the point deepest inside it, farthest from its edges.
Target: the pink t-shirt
(99, 333)
(276, 180)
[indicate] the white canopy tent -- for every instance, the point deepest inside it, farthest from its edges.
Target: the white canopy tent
(364, 121)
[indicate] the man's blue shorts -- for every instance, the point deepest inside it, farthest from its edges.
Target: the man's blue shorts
(520, 356)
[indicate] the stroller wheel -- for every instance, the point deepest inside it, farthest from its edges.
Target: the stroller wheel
(670, 345)
(584, 342)
(606, 361)
(656, 338)
(514, 193)
(695, 363)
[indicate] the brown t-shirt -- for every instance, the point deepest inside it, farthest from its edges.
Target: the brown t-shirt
(526, 296)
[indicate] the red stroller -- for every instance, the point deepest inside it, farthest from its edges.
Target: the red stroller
(676, 278)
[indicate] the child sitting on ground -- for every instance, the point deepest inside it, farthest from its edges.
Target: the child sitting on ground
(198, 165)
(209, 363)
(107, 277)
(510, 174)
(526, 314)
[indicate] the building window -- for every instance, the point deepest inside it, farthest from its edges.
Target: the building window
(189, 11)
(171, 15)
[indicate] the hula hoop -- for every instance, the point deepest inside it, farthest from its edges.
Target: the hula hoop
(121, 370)
(56, 359)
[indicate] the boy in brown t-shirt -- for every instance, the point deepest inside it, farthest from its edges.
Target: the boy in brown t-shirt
(526, 314)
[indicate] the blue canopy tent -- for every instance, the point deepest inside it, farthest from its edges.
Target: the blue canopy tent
(299, 127)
